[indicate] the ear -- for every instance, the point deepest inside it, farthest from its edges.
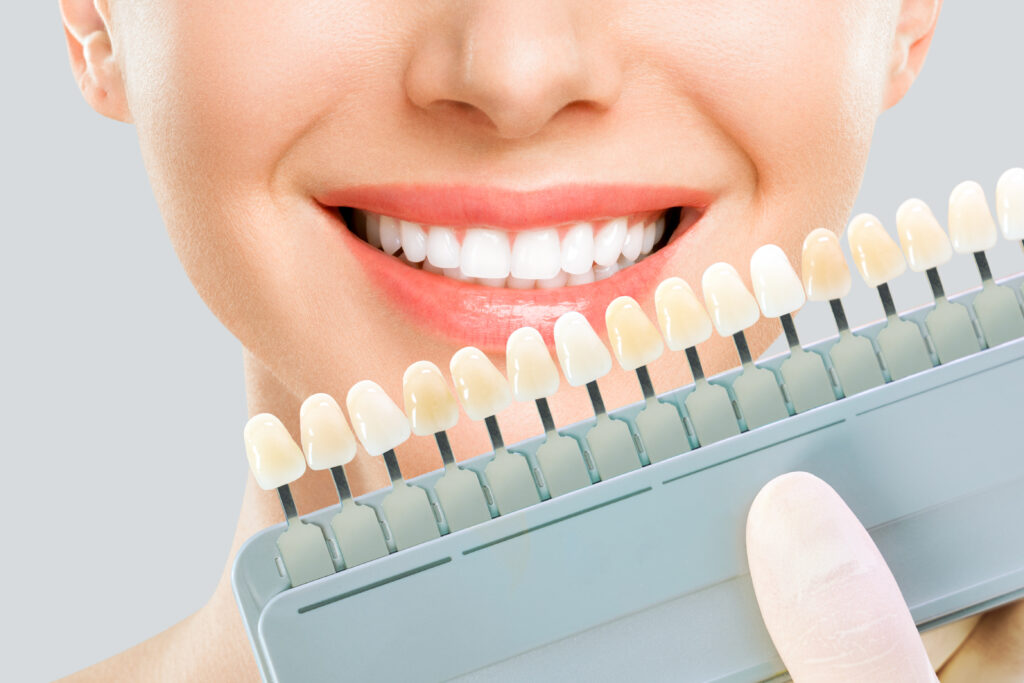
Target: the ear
(97, 73)
(914, 31)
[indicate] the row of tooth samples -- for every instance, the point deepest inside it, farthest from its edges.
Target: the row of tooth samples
(462, 497)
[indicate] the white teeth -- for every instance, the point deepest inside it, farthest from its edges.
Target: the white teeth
(536, 255)
(971, 227)
(578, 249)
(390, 240)
(414, 241)
(555, 282)
(1010, 203)
(443, 248)
(373, 229)
(431, 268)
(456, 274)
(486, 254)
(609, 240)
(648, 243)
(634, 242)
(584, 278)
(659, 230)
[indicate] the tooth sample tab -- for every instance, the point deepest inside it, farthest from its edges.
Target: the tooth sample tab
(826, 276)
(377, 421)
(486, 254)
(922, 238)
(578, 249)
(429, 403)
(536, 255)
(682, 317)
(529, 366)
(1010, 203)
(443, 248)
(327, 440)
(731, 305)
(776, 285)
(877, 256)
(609, 240)
(274, 457)
(479, 385)
(580, 352)
(971, 227)
(634, 338)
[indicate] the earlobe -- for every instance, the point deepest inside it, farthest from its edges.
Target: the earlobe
(914, 31)
(92, 58)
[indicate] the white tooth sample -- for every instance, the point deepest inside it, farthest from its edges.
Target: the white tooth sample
(414, 241)
(826, 275)
(491, 281)
(559, 280)
(536, 255)
(1010, 203)
(479, 385)
(457, 274)
(443, 248)
(584, 278)
(580, 352)
(609, 240)
(634, 338)
(682, 317)
(274, 457)
(648, 242)
(875, 252)
(519, 283)
(731, 305)
(776, 285)
(529, 366)
(430, 268)
(486, 254)
(578, 249)
(634, 241)
(605, 272)
(327, 440)
(377, 421)
(971, 226)
(923, 240)
(390, 238)
(372, 228)
(428, 401)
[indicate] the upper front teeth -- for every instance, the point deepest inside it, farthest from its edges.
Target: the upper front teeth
(526, 259)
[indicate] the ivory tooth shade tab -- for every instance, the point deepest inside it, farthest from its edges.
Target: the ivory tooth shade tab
(684, 324)
(733, 309)
(972, 230)
(534, 377)
(610, 449)
(879, 260)
(636, 342)
(827, 278)
(779, 293)
(927, 247)
(1010, 204)
(381, 427)
(276, 461)
(432, 410)
(484, 392)
(329, 443)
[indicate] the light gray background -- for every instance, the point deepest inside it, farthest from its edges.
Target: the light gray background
(122, 396)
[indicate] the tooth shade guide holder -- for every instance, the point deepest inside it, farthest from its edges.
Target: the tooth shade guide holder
(949, 325)
(659, 427)
(302, 546)
(803, 373)
(559, 457)
(996, 308)
(409, 516)
(508, 475)
(358, 531)
(609, 443)
(900, 343)
(458, 491)
(709, 406)
(758, 394)
(854, 359)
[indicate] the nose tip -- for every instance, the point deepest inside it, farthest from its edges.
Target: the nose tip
(513, 66)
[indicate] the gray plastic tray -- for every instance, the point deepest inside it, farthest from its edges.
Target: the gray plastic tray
(645, 574)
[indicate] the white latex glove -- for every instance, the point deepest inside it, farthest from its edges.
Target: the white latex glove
(833, 608)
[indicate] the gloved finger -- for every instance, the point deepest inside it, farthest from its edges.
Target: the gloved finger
(994, 652)
(830, 603)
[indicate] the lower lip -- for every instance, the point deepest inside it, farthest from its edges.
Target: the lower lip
(470, 314)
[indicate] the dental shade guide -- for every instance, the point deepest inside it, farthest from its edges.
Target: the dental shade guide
(733, 309)
(636, 343)
(1010, 208)
(972, 231)
(328, 443)
(684, 324)
(484, 393)
(779, 294)
(276, 461)
(381, 427)
(534, 377)
(879, 260)
(584, 358)
(432, 411)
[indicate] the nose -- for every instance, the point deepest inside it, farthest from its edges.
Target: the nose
(512, 65)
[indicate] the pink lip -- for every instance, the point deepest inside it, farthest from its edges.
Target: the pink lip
(457, 206)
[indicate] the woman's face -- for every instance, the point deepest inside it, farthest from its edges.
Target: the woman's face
(258, 122)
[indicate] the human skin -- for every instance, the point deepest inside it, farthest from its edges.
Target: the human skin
(246, 116)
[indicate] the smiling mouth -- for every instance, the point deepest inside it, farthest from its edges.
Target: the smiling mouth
(541, 257)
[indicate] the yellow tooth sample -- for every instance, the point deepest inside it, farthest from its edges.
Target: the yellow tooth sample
(327, 440)
(971, 226)
(731, 305)
(635, 339)
(428, 401)
(479, 385)
(529, 366)
(776, 285)
(377, 421)
(875, 252)
(681, 315)
(826, 275)
(1010, 203)
(274, 457)
(580, 352)
(923, 240)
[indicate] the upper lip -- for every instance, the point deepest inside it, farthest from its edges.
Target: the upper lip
(468, 205)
